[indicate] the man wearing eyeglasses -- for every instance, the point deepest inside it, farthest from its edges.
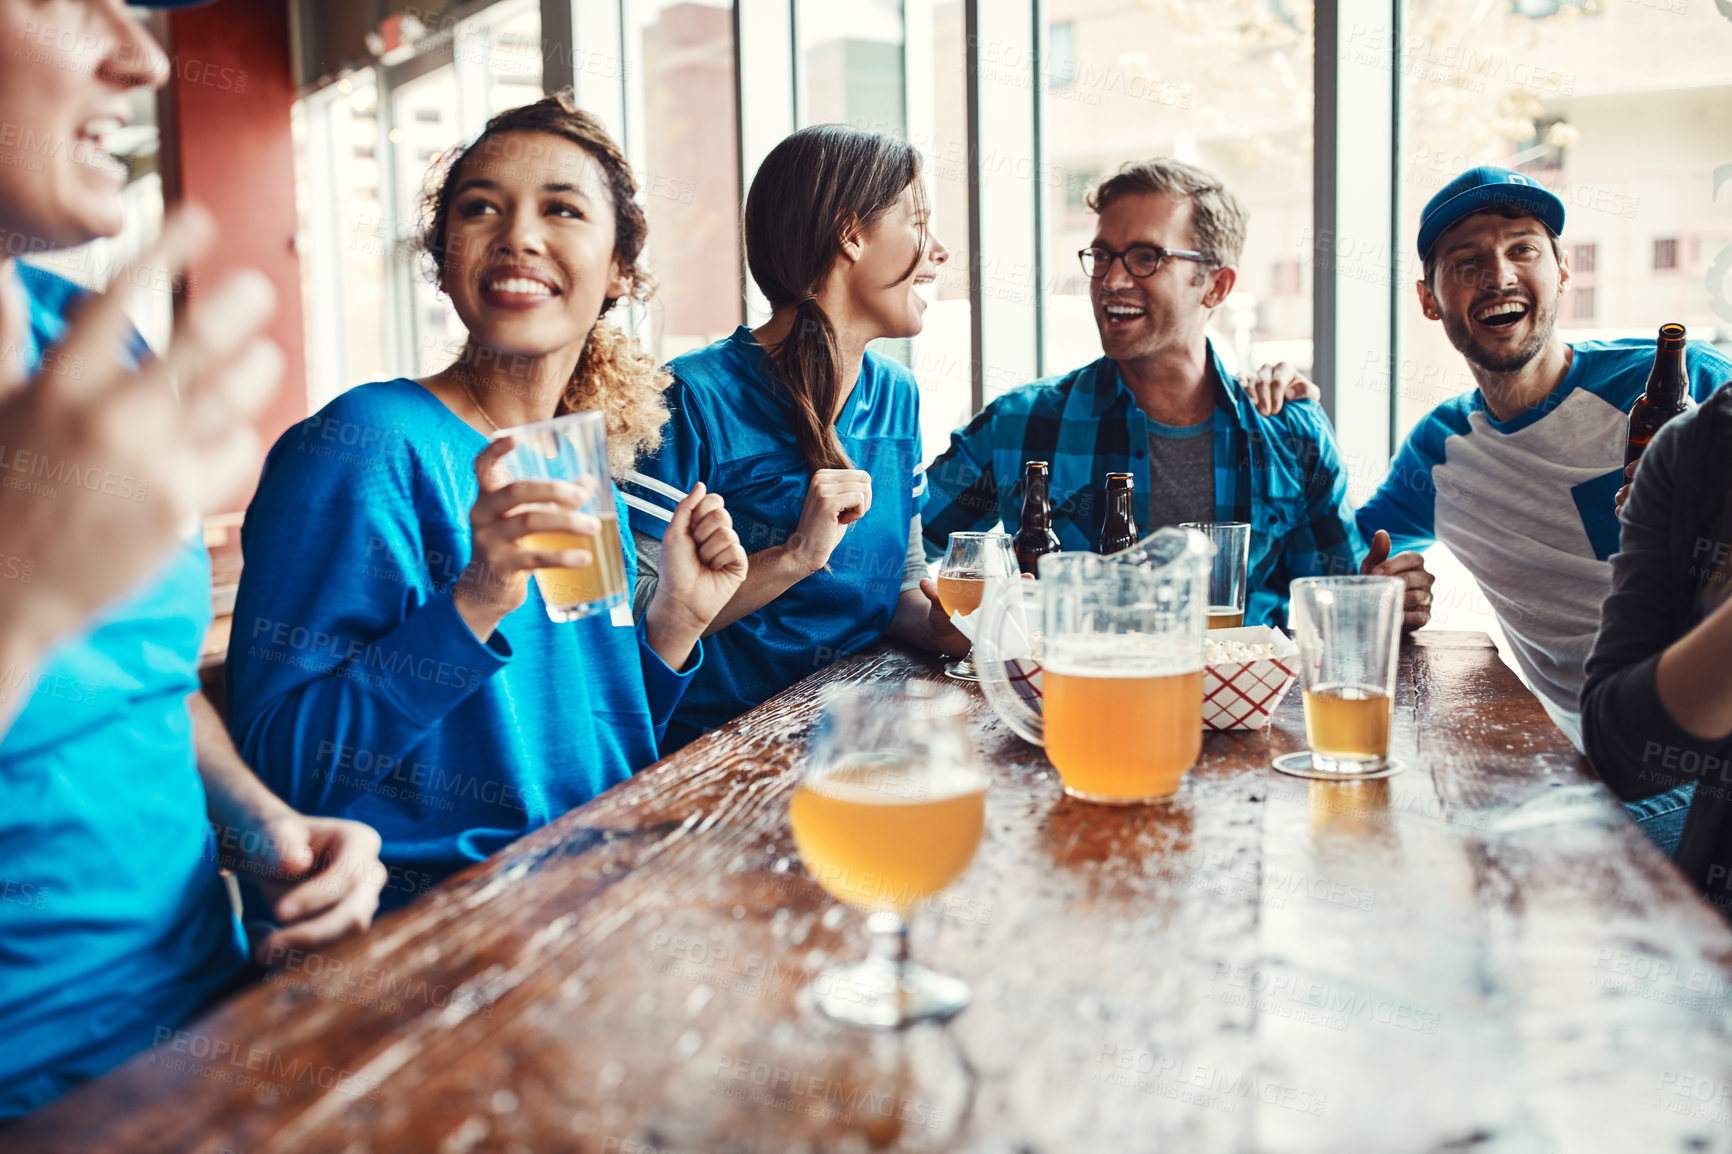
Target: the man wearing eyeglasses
(1161, 406)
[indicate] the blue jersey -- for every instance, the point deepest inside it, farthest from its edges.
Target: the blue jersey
(356, 689)
(732, 428)
(114, 922)
(1528, 504)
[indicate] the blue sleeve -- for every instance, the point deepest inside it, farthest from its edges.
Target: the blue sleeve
(661, 480)
(961, 493)
(1332, 544)
(1707, 367)
(342, 636)
(1405, 505)
(664, 685)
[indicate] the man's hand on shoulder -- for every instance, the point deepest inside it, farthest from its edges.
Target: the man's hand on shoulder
(1272, 386)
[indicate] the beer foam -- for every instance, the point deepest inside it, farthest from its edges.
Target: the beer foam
(1121, 655)
(870, 781)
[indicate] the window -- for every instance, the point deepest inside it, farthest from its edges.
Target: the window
(1285, 279)
(1060, 67)
(686, 154)
(344, 230)
(1078, 183)
(850, 69)
(1582, 303)
(1582, 257)
(1666, 254)
(365, 148)
(1140, 83)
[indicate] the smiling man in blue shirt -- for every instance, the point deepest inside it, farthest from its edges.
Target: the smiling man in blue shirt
(1161, 406)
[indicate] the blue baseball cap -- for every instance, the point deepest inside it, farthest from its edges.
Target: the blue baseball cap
(1481, 188)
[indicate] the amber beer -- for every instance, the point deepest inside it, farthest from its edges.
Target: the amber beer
(1034, 535)
(1347, 722)
(567, 590)
(1119, 530)
(961, 592)
(1119, 734)
(1666, 396)
(887, 836)
(1225, 617)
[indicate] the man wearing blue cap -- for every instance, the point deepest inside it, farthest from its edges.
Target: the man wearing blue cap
(1519, 477)
(115, 925)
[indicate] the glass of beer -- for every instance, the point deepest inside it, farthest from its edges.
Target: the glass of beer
(1119, 699)
(889, 811)
(1232, 541)
(1349, 635)
(970, 560)
(570, 448)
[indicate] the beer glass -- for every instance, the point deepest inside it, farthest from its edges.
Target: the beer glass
(1349, 635)
(570, 448)
(1232, 541)
(889, 811)
(970, 560)
(1118, 702)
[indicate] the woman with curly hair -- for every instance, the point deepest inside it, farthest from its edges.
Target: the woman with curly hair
(391, 661)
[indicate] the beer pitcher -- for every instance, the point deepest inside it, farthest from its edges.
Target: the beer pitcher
(1101, 662)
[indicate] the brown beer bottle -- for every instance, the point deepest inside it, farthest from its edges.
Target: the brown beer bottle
(1119, 530)
(1667, 393)
(1034, 535)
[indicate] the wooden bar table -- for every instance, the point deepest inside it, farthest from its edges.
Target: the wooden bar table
(1479, 953)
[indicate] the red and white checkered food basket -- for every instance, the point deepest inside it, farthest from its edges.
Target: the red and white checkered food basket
(1245, 694)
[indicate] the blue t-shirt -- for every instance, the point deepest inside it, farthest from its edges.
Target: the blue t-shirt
(356, 690)
(114, 922)
(732, 428)
(1528, 505)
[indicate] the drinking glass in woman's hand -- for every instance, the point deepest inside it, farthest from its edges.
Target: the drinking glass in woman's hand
(506, 514)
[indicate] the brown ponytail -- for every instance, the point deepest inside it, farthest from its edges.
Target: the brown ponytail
(814, 189)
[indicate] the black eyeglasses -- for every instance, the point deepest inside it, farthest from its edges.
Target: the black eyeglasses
(1141, 260)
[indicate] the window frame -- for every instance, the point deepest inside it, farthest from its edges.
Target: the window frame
(1006, 222)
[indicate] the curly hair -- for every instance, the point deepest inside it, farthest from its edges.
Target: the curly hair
(614, 374)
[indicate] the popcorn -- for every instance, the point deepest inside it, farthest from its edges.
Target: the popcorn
(1222, 652)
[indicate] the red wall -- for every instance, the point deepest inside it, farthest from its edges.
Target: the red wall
(226, 143)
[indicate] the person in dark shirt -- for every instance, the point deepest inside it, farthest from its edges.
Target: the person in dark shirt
(1657, 703)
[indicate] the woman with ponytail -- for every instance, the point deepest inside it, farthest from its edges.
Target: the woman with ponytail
(391, 661)
(812, 438)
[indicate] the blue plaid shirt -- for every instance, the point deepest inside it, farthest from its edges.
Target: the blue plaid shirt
(1283, 475)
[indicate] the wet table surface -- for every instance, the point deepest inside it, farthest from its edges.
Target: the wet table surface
(1480, 953)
